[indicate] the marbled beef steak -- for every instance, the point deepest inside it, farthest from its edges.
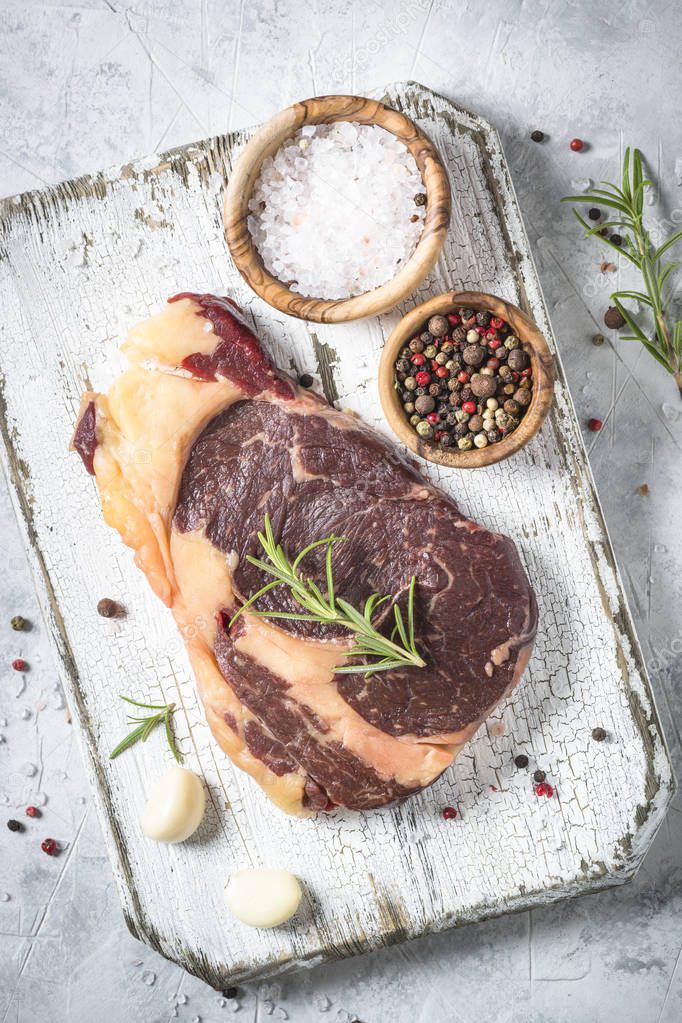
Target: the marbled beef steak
(191, 448)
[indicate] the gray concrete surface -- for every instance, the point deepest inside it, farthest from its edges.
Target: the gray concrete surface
(95, 82)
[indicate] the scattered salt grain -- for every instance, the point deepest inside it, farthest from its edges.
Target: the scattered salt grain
(28, 770)
(4, 897)
(271, 991)
(268, 1007)
(337, 216)
(321, 1002)
(182, 999)
(678, 170)
(282, 1013)
(148, 978)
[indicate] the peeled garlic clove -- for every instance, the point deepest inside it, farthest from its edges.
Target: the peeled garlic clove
(176, 806)
(263, 898)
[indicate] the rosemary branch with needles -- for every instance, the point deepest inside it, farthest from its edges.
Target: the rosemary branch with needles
(398, 651)
(144, 726)
(664, 341)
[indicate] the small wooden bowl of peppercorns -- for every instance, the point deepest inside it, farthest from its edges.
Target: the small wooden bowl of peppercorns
(466, 379)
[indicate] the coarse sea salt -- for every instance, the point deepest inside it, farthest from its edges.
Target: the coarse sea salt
(333, 212)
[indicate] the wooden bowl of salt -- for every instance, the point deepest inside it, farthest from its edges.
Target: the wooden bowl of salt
(435, 209)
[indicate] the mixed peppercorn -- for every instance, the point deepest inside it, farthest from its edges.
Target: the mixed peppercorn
(465, 381)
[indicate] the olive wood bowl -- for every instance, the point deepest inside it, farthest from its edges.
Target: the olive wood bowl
(267, 140)
(533, 344)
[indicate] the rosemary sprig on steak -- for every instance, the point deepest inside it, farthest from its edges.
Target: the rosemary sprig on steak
(144, 726)
(663, 340)
(399, 651)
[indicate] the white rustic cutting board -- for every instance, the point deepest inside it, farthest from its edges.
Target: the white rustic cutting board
(79, 264)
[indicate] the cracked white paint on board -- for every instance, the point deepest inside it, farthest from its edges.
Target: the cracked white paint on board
(97, 264)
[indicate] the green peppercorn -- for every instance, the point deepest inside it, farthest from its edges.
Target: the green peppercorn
(18, 623)
(424, 429)
(409, 383)
(441, 358)
(462, 416)
(415, 419)
(511, 342)
(465, 443)
(430, 351)
(409, 407)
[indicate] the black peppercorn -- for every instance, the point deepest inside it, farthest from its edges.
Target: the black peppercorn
(598, 734)
(539, 776)
(593, 213)
(537, 135)
(305, 380)
(616, 239)
(420, 199)
(465, 314)
(482, 318)
(598, 340)
(613, 319)
(521, 760)
(109, 608)
(426, 337)
(446, 440)
(402, 366)
(15, 825)
(230, 992)
(424, 404)
(18, 623)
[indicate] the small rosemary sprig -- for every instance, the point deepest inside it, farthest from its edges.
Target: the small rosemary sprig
(664, 343)
(397, 652)
(146, 725)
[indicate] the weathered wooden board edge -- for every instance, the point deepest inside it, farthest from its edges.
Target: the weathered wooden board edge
(660, 789)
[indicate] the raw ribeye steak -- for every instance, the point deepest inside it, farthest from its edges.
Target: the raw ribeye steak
(193, 445)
